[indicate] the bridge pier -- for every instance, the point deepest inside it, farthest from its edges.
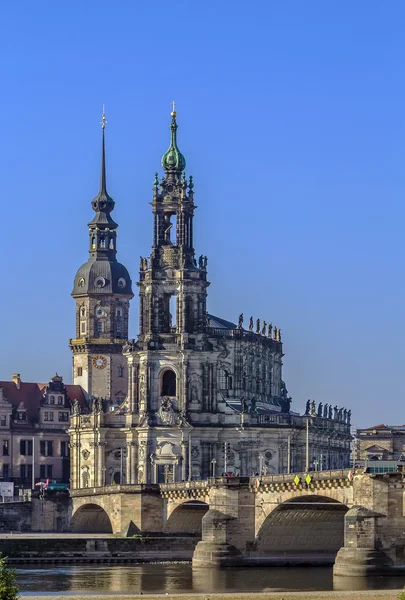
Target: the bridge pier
(360, 555)
(227, 527)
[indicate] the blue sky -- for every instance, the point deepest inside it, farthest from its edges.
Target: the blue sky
(291, 118)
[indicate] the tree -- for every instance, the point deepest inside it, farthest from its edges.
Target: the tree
(8, 587)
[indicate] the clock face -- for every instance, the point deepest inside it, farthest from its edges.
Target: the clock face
(99, 362)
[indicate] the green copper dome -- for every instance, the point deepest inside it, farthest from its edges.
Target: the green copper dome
(173, 160)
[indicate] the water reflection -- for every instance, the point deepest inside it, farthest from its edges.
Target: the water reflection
(162, 578)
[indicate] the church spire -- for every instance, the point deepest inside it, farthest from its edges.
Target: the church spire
(173, 161)
(103, 179)
(103, 204)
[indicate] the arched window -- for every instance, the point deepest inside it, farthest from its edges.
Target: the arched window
(60, 399)
(168, 383)
(93, 242)
(111, 244)
(100, 326)
(102, 242)
(51, 399)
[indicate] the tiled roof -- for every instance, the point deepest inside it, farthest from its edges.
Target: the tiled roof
(31, 393)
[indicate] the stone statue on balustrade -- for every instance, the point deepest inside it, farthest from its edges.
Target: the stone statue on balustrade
(308, 407)
(240, 321)
(251, 324)
(313, 409)
(330, 411)
(320, 410)
(335, 412)
(349, 417)
(258, 326)
(270, 330)
(264, 328)
(325, 411)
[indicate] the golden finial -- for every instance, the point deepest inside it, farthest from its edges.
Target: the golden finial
(103, 119)
(173, 113)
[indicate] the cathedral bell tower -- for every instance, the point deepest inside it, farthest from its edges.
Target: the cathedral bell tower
(172, 284)
(102, 290)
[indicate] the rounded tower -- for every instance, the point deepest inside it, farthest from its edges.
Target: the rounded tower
(102, 290)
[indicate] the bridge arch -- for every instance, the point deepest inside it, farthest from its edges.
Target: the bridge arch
(187, 517)
(91, 518)
(303, 527)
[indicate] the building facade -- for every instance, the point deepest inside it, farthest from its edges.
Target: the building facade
(34, 422)
(205, 396)
(380, 442)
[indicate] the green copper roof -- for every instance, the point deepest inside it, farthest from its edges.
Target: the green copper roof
(173, 160)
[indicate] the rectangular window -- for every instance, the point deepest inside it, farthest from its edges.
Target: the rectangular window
(5, 447)
(51, 416)
(83, 327)
(21, 415)
(46, 416)
(46, 448)
(6, 471)
(120, 371)
(26, 447)
(45, 472)
(60, 400)
(63, 417)
(3, 421)
(64, 449)
(25, 472)
(79, 371)
(100, 326)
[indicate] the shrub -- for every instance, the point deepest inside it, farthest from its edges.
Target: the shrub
(8, 587)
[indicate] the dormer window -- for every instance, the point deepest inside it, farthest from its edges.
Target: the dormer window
(60, 399)
(21, 415)
(51, 399)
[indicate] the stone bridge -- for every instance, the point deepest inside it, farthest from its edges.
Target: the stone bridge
(294, 518)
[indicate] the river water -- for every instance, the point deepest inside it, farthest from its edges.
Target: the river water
(182, 578)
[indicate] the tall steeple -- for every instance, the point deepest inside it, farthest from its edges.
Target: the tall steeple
(172, 275)
(102, 289)
(102, 228)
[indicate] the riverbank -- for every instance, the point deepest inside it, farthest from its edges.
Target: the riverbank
(282, 595)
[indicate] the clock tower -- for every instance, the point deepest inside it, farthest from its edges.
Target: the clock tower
(102, 290)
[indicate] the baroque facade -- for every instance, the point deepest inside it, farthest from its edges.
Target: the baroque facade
(204, 396)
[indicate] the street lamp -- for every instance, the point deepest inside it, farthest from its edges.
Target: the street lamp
(261, 457)
(213, 463)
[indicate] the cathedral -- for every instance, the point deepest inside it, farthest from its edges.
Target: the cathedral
(194, 395)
